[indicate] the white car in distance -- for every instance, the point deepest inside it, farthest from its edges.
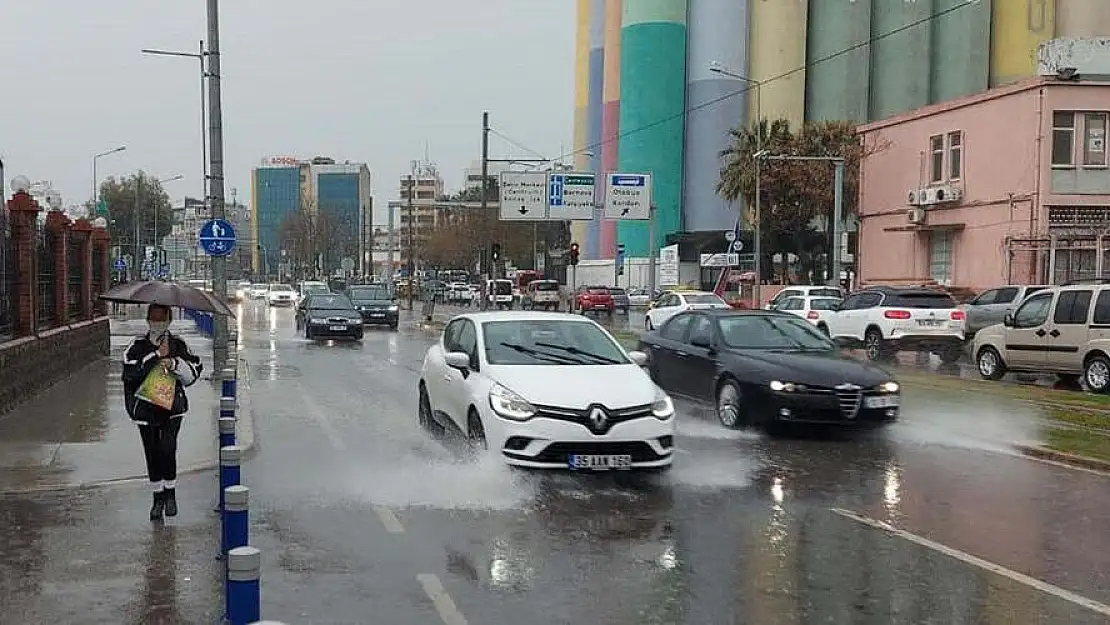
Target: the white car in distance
(815, 310)
(670, 304)
(546, 390)
(258, 291)
(281, 295)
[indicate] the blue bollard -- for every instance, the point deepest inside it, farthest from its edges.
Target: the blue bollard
(244, 596)
(228, 386)
(230, 457)
(267, 623)
(227, 432)
(236, 518)
(227, 406)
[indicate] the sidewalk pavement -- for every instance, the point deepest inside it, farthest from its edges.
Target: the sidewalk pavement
(77, 432)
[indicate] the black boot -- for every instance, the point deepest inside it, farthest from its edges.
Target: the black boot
(170, 498)
(158, 507)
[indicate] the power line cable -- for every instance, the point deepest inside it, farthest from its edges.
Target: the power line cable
(787, 74)
(515, 143)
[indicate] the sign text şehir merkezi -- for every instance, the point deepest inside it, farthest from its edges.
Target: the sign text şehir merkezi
(524, 190)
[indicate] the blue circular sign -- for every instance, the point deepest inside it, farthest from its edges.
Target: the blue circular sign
(217, 237)
(119, 264)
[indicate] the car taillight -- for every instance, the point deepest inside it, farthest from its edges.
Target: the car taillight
(897, 314)
(812, 315)
(958, 315)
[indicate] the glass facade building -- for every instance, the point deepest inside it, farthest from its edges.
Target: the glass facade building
(276, 193)
(337, 198)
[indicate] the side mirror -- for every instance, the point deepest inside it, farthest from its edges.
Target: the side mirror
(458, 360)
(1008, 320)
(701, 341)
(640, 358)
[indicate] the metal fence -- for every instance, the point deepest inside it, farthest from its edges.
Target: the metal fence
(7, 279)
(99, 305)
(45, 317)
(75, 268)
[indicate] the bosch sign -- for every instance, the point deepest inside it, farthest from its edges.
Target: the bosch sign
(280, 161)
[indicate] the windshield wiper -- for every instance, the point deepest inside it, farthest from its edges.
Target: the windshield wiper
(579, 352)
(558, 359)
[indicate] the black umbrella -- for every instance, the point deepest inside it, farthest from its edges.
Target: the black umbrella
(167, 294)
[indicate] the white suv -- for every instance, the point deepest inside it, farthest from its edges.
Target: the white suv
(886, 319)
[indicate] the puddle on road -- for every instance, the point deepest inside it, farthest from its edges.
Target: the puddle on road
(485, 484)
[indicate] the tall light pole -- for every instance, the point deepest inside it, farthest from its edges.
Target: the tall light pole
(95, 179)
(758, 155)
(199, 56)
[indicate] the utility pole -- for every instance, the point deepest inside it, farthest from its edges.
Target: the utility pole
(216, 187)
(412, 235)
(485, 259)
(135, 260)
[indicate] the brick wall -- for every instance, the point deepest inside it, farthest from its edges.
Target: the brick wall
(31, 364)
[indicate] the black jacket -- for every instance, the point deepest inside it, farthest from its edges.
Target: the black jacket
(139, 359)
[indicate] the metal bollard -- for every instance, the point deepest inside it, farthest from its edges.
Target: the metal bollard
(230, 457)
(227, 432)
(244, 597)
(236, 518)
(227, 406)
(228, 386)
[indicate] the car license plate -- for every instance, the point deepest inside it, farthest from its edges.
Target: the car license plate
(882, 401)
(337, 328)
(929, 322)
(377, 314)
(599, 463)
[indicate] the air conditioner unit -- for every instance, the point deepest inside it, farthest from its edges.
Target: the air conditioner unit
(916, 215)
(914, 198)
(948, 193)
(928, 196)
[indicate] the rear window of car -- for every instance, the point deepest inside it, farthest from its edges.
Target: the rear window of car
(616, 291)
(596, 291)
(920, 300)
(702, 298)
(826, 303)
(545, 286)
(503, 288)
(825, 293)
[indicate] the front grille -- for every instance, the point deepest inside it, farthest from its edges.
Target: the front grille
(850, 401)
(338, 320)
(583, 417)
(559, 452)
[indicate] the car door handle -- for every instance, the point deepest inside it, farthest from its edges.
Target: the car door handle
(447, 377)
(1055, 333)
(1040, 332)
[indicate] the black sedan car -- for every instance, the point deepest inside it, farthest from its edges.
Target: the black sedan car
(377, 304)
(763, 368)
(329, 316)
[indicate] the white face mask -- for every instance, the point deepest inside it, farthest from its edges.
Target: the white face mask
(157, 328)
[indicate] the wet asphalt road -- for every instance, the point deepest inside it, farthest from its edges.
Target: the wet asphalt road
(364, 518)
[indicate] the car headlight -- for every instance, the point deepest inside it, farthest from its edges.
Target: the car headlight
(890, 387)
(662, 407)
(506, 403)
(393, 308)
(786, 387)
(318, 320)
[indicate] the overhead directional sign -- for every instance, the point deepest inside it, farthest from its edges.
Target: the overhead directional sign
(571, 196)
(627, 196)
(524, 196)
(217, 237)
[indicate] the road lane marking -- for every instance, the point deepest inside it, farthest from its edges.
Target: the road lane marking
(967, 558)
(441, 600)
(321, 418)
(389, 520)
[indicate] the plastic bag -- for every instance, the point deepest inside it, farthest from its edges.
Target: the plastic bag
(159, 388)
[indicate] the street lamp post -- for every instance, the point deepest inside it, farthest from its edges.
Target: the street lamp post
(757, 214)
(95, 179)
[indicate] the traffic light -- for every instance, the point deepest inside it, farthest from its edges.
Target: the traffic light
(495, 252)
(574, 253)
(620, 259)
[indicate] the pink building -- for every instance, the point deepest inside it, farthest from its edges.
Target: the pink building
(1010, 186)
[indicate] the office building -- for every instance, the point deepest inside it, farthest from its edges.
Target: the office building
(419, 205)
(640, 65)
(275, 196)
(340, 192)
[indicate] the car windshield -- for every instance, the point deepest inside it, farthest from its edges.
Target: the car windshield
(772, 332)
(544, 342)
(503, 288)
(824, 303)
(280, 287)
(703, 298)
(371, 294)
(330, 302)
(316, 288)
(546, 286)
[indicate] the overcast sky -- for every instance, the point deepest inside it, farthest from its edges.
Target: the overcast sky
(359, 80)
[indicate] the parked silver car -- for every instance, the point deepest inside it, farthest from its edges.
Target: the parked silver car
(991, 306)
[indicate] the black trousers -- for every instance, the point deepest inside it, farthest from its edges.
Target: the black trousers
(160, 448)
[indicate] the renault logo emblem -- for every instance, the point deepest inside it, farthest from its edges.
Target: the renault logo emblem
(598, 418)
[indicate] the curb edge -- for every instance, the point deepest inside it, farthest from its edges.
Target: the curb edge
(1044, 453)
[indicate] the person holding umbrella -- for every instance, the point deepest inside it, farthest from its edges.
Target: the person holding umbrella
(157, 367)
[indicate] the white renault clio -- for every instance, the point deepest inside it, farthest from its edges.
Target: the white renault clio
(546, 390)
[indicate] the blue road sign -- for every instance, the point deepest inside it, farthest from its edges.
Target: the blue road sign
(555, 190)
(628, 180)
(217, 237)
(119, 264)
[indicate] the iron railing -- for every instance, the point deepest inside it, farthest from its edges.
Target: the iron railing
(45, 242)
(7, 279)
(75, 262)
(99, 306)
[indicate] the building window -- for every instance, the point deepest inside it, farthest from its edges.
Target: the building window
(936, 161)
(1063, 139)
(955, 155)
(1094, 143)
(940, 257)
